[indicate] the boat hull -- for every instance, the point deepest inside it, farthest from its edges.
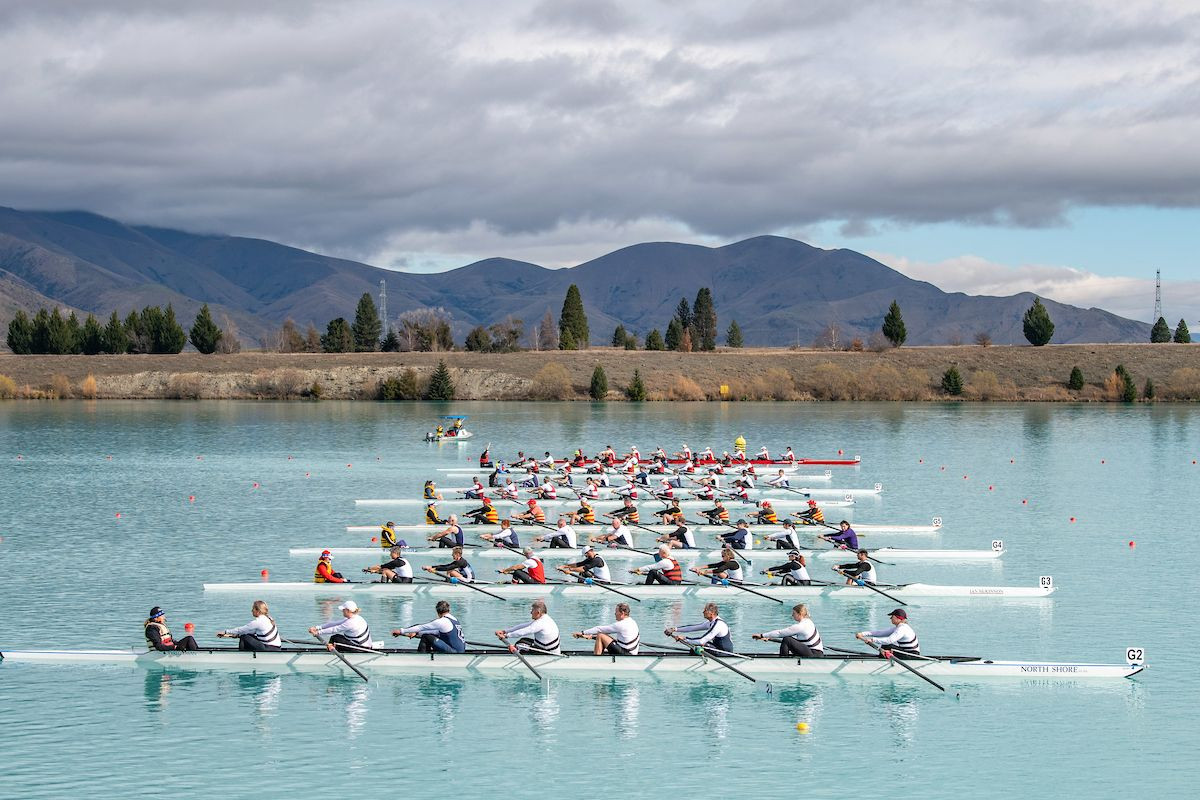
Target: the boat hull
(809, 530)
(601, 505)
(564, 554)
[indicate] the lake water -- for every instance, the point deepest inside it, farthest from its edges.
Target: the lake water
(79, 575)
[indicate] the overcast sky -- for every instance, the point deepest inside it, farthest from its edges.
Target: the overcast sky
(982, 146)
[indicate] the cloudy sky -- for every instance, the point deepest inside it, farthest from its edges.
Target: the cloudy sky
(985, 147)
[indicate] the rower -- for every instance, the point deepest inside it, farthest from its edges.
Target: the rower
(664, 569)
(627, 512)
(534, 515)
(628, 491)
(577, 460)
(505, 537)
(900, 639)
(665, 490)
(562, 537)
(458, 568)
(509, 490)
(762, 454)
(584, 515)
(845, 538)
(476, 490)
(738, 538)
(539, 635)
(810, 516)
(485, 458)
(786, 539)
(705, 490)
(659, 454)
(707, 454)
(682, 537)
(452, 536)
(620, 638)
(615, 536)
(158, 636)
(780, 481)
(714, 633)
(739, 491)
(727, 569)
(431, 515)
(745, 480)
(349, 634)
(441, 635)
(590, 490)
(387, 534)
(324, 572)
(547, 491)
(788, 457)
(259, 634)
(430, 491)
(800, 639)
(685, 453)
(669, 512)
(718, 514)
(546, 460)
(860, 570)
(591, 567)
(398, 570)
(794, 571)
(766, 514)
(531, 570)
(485, 513)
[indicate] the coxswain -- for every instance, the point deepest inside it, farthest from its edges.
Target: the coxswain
(788, 457)
(398, 570)
(766, 514)
(538, 635)
(682, 537)
(387, 534)
(531, 570)
(577, 459)
(786, 539)
(845, 537)
(900, 639)
(258, 634)
(727, 569)
(794, 571)
(779, 481)
(430, 492)
(762, 454)
(620, 638)
(324, 572)
(616, 535)
(158, 636)
(485, 458)
(592, 567)
(860, 570)
(799, 639)
(811, 515)
(673, 510)
(714, 633)
(563, 536)
(627, 512)
(739, 538)
(441, 635)
(584, 515)
(349, 634)
(431, 515)
(535, 515)
(505, 537)
(486, 513)
(664, 569)
(458, 568)
(452, 536)
(476, 490)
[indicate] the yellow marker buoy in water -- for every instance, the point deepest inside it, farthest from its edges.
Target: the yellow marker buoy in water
(802, 727)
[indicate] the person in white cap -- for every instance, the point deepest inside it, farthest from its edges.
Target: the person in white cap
(349, 634)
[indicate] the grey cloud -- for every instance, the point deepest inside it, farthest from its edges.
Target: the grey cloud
(581, 16)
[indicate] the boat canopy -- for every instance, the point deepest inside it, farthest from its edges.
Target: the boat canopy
(454, 416)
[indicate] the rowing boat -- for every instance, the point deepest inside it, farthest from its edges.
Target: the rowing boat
(811, 530)
(769, 492)
(792, 473)
(566, 553)
(638, 590)
(757, 462)
(643, 502)
(769, 666)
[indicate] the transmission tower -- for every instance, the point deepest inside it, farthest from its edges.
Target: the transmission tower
(1157, 295)
(383, 304)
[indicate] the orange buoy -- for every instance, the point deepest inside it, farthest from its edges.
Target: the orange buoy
(374, 539)
(264, 573)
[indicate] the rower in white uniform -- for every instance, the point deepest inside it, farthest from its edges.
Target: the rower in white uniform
(664, 568)
(779, 481)
(258, 634)
(620, 638)
(563, 536)
(860, 570)
(682, 537)
(538, 635)
(762, 454)
(349, 634)
(441, 635)
(616, 535)
(786, 539)
(398, 570)
(800, 639)
(900, 639)
(714, 633)
(794, 571)
(592, 567)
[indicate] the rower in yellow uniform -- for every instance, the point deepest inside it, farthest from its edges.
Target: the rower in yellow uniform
(812, 516)
(766, 515)
(387, 535)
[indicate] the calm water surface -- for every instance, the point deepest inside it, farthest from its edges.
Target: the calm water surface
(80, 576)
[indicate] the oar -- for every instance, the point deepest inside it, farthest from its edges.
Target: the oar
(870, 586)
(847, 549)
(469, 585)
(892, 659)
(737, 585)
(743, 559)
(607, 588)
(702, 653)
(340, 656)
(512, 648)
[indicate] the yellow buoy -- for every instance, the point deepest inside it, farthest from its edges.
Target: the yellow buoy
(802, 727)
(739, 444)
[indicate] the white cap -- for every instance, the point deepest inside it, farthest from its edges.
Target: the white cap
(349, 605)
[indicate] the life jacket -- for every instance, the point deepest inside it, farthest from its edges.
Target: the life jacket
(538, 573)
(768, 516)
(429, 492)
(491, 515)
(432, 518)
(818, 515)
(324, 573)
(675, 573)
(387, 537)
(587, 514)
(723, 514)
(538, 514)
(164, 632)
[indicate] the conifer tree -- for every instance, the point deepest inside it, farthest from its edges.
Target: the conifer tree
(566, 340)
(91, 338)
(1148, 390)
(60, 339)
(683, 313)
(171, 337)
(1037, 325)
(41, 332)
(1075, 382)
(893, 325)
(441, 387)
(337, 338)
(1182, 335)
(205, 335)
(20, 334)
(733, 336)
(367, 329)
(654, 340)
(1161, 332)
(116, 340)
(573, 319)
(704, 321)
(636, 391)
(674, 334)
(599, 388)
(391, 342)
(619, 336)
(75, 334)
(952, 382)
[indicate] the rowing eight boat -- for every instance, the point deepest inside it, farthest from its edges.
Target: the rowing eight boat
(643, 502)
(564, 553)
(811, 530)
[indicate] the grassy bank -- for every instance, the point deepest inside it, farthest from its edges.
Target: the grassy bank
(989, 373)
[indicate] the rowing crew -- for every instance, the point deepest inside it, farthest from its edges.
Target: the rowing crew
(608, 457)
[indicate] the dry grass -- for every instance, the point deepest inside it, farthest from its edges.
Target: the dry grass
(684, 388)
(8, 388)
(60, 388)
(87, 388)
(185, 386)
(552, 382)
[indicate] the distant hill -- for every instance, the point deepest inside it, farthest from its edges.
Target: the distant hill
(780, 291)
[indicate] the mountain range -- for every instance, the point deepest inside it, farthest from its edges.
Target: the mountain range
(780, 291)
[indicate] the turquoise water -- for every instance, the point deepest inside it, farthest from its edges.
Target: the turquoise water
(79, 576)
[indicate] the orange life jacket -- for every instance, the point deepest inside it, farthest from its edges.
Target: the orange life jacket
(674, 574)
(324, 573)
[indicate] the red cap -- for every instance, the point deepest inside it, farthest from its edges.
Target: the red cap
(532, 503)
(812, 502)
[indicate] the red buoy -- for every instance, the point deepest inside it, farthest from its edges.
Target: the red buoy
(1132, 545)
(264, 573)
(1072, 519)
(191, 498)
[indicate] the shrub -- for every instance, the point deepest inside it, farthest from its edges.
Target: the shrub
(598, 390)
(636, 390)
(1114, 384)
(185, 386)
(828, 381)
(733, 336)
(60, 387)
(985, 385)
(883, 382)
(952, 382)
(877, 342)
(1184, 384)
(315, 392)
(1075, 382)
(856, 345)
(88, 388)
(983, 339)
(405, 387)
(552, 382)
(1148, 390)
(8, 388)
(684, 388)
(654, 340)
(441, 387)
(284, 384)
(1129, 391)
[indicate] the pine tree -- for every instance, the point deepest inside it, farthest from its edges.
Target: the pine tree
(1148, 390)
(60, 339)
(674, 334)
(1129, 391)
(654, 340)
(20, 334)
(566, 340)
(205, 335)
(116, 340)
(367, 328)
(135, 332)
(391, 342)
(75, 333)
(1160, 333)
(599, 388)
(478, 340)
(441, 387)
(91, 339)
(733, 336)
(1182, 335)
(619, 336)
(704, 321)
(573, 319)
(546, 337)
(40, 343)
(893, 325)
(171, 338)
(1039, 328)
(683, 313)
(1075, 382)
(952, 382)
(636, 391)
(337, 338)
(631, 342)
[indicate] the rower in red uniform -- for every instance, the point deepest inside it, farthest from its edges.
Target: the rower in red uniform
(531, 570)
(324, 572)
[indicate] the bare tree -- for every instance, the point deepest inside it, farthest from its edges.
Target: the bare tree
(983, 339)
(229, 341)
(830, 338)
(312, 339)
(545, 335)
(288, 339)
(424, 329)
